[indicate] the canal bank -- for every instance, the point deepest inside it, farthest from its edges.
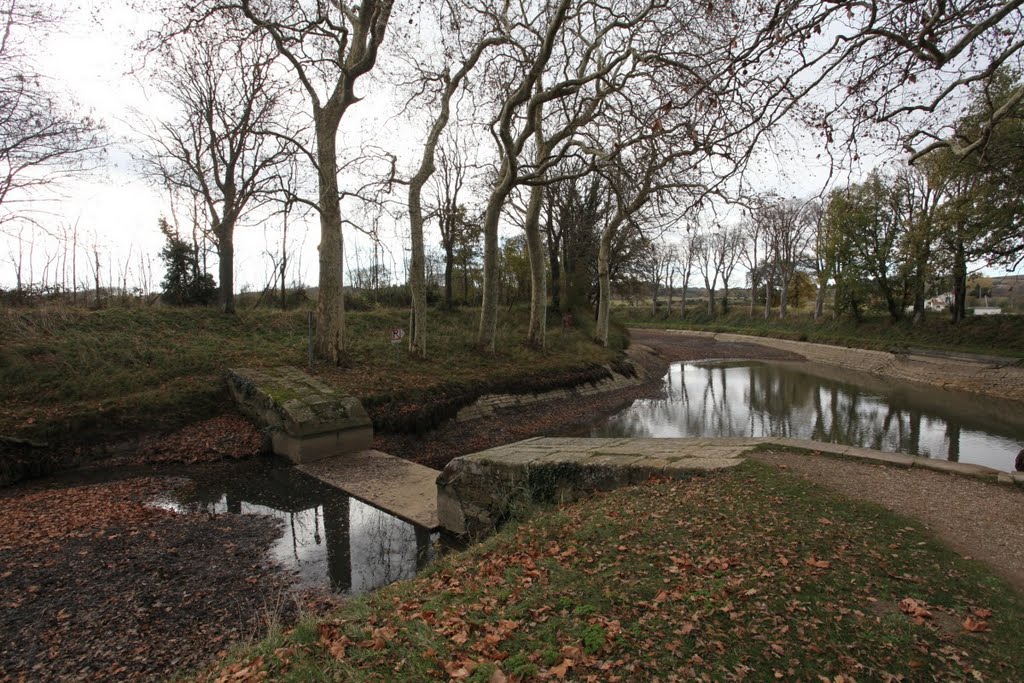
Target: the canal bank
(987, 375)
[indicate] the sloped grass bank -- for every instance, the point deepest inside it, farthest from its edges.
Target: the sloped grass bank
(78, 380)
(87, 374)
(747, 574)
(996, 335)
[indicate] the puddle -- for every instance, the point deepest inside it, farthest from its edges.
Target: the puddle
(330, 539)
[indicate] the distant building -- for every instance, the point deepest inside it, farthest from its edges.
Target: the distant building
(987, 310)
(941, 302)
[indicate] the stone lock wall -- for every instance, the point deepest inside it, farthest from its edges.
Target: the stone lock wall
(490, 404)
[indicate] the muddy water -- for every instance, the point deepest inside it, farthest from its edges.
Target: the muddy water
(330, 539)
(801, 400)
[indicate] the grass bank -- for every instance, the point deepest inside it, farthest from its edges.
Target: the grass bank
(716, 583)
(997, 335)
(72, 375)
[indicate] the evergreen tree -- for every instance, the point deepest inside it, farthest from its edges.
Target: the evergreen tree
(185, 283)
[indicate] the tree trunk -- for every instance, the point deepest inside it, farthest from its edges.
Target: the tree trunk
(491, 284)
(284, 260)
(604, 284)
(819, 301)
(959, 310)
(449, 256)
(767, 299)
(226, 266)
(682, 304)
(536, 335)
(783, 298)
(417, 277)
(329, 341)
(556, 271)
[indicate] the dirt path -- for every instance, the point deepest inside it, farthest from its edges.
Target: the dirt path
(978, 519)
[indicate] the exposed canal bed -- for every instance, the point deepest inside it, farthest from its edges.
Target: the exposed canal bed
(330, 540)
(802, 400)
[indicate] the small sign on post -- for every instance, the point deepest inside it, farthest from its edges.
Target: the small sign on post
(397, 334)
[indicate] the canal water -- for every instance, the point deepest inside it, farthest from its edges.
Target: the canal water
(330, 539)
(801, 400)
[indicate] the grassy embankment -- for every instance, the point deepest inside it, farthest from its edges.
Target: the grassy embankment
(997, 335)
(748, 574)
(74, 374)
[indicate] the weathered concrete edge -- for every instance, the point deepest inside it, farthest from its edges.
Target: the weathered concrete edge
(978, 375)
(896, 459)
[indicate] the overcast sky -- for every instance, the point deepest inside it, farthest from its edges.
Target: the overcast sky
(114, 208)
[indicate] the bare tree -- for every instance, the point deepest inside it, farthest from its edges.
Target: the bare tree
(752, 253)
(685, 250)
(728, 242)
(447, 186)
(225, 145)
(42, 137)
(787, 233)
(471, 47)
(328, 46)
(563, 62)
(710, 267)
(908, 66)
(820, 264)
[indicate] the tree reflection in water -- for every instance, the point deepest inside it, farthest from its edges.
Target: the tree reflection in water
(749, 398)
(329, 538)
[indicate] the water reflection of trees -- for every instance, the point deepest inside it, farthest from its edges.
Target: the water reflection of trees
(771, 400)
(329, 538)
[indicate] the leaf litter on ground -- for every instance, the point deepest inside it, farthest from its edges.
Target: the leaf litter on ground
(729, 576)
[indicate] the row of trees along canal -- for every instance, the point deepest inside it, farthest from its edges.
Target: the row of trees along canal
(619, 121)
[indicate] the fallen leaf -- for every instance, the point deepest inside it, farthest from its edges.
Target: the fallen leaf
(975, 625)
(914, 608)
(562, 668)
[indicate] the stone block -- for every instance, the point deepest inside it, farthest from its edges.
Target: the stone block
(313, 447)
(308, 419)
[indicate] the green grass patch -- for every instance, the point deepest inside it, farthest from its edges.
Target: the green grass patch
(68, 373)
(749, 574)
(996, 335)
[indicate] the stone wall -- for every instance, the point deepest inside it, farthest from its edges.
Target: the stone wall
(490, 404)
(991, 377)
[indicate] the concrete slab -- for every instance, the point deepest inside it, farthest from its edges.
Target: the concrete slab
(405, 489)
(880, 456)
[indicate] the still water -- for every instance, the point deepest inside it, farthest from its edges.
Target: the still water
(805, 401)
(330, 539)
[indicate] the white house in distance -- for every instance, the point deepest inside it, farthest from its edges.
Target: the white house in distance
(942, 302)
